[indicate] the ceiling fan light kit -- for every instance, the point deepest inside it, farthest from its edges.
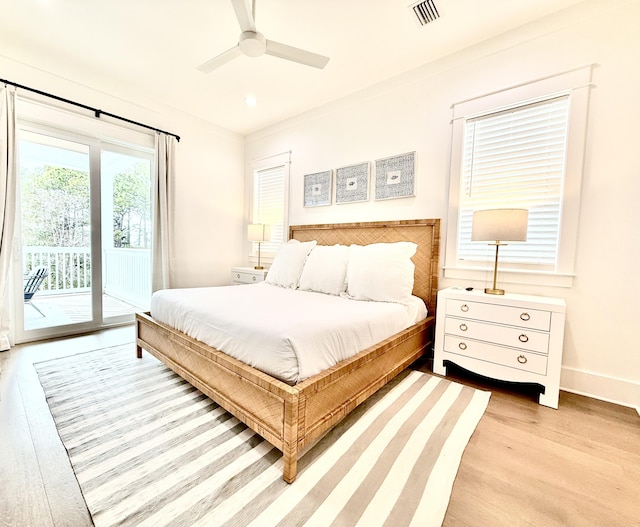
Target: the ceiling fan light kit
(252, 43)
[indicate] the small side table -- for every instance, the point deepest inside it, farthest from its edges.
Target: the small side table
(247, 275)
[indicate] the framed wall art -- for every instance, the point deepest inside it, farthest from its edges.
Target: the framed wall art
(317, 189)
(352, 183)
(395, 176)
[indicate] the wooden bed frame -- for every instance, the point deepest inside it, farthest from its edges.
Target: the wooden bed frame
(293, 417)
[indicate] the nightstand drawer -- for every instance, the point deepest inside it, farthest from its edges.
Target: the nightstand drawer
(513, 316)
(246, 278)
(512, 358)
(523, 338)
(247, 275)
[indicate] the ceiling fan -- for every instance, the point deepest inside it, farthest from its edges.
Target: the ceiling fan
(252, 43)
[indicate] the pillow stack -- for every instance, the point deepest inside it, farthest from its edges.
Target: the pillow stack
(380, 272)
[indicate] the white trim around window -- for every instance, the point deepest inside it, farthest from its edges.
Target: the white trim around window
(573, 85)
(270, 201)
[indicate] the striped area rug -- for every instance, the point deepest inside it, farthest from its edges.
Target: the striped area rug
(148, 449)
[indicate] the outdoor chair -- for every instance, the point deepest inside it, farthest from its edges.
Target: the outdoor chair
(32, 284)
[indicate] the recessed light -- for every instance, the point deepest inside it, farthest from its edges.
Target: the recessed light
(250, 100)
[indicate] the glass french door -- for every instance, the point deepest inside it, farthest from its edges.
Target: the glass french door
(85, 230)
(126, 231)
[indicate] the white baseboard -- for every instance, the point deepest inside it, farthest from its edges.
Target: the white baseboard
(603, 387)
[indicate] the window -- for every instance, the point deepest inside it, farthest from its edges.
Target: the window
(515, 158)
(269, 204)
(520, 148)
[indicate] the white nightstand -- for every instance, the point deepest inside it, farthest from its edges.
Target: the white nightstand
(247, 275)
(509, 337)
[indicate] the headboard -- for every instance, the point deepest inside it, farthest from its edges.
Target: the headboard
(426, 233)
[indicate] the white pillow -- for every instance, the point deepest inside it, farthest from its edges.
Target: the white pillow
(381, 271)
(325, 270)
(287, 265)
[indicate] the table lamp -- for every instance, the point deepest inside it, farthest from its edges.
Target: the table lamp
(259, 232)
(498, 226)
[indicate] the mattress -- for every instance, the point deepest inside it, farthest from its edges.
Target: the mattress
(288, 334)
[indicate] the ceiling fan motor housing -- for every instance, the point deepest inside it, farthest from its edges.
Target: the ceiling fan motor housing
(252, 43)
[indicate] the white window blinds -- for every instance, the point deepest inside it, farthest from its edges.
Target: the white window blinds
(269, 205)
(516, 158)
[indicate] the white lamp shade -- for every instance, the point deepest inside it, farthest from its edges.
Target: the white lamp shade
(509, 225)
(259, 232)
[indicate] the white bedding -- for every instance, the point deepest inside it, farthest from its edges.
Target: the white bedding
(288, 334)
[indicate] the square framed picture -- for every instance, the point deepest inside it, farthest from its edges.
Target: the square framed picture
(395, 176)
(352, 183)
(317, 189)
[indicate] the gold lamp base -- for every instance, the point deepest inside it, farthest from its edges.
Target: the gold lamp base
(259, 267)
(494, 290)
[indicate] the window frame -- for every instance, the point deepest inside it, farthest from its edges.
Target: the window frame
(35, 114)
(575, 83)
(266, 163)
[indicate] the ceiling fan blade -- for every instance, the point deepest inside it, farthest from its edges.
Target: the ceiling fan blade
(221, 59)
(307, 58)
(245, 13)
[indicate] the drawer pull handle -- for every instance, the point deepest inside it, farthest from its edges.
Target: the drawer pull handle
(522, 359)
(464, 307)
(525, 316)
(462, 345)
(238, 275)
(523, 338)
(463, 327)
(254, 278)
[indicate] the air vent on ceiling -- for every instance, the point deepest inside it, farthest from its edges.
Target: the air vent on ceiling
(426, 11)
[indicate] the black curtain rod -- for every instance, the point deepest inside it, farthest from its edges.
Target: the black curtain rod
(95, 111)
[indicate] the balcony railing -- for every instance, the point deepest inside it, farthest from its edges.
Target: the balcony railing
(69, 268)
(126, 273)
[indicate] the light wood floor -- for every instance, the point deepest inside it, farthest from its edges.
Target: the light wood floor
(525, 464)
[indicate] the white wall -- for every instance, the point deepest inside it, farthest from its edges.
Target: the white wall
(412, 112)
(209, 204)
(209, 187)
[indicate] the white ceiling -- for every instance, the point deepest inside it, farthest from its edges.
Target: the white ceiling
(151, 48)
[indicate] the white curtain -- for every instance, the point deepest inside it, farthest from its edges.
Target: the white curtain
(163, 212)
(7, 202)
